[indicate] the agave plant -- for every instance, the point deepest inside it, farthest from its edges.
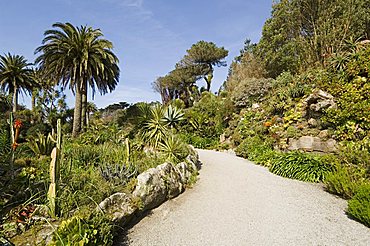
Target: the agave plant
(172, 116)
(173, 148)
(154, 130)
(41, 144)
(118, 174)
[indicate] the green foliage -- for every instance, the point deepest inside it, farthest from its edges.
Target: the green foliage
(200, 142)
(297, 165)
(4, 144)
(208, 117)
(359, 205)
(118, 174)
(257, 150)
(249, 91)
(41, 145)
(173, 148)
(344, 181)
(96, 230)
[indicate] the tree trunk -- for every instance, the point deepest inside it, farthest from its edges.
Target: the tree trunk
(77, 112)
(84, 107)
(15, 99)
(33, 106)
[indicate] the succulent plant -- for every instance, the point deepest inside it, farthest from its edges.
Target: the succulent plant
(118, 174)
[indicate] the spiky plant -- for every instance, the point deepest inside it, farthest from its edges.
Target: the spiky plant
(172, 116)
(173, 148)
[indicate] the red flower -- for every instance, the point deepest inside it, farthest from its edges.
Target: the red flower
(18, 124)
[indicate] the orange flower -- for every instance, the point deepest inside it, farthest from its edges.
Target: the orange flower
(267, 124)
(18, 124)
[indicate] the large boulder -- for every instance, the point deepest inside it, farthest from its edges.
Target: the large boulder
(317, 102)
(150, 188)
(309, 143)
(120, 205)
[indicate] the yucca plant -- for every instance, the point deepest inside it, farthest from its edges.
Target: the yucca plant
(41, 144)
(173, 148)
(154, 129)
(301, 166)
(172, 116)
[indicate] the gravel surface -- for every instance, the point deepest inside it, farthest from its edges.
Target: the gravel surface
(238, 203)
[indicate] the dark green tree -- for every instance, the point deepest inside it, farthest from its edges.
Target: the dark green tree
(203, 57)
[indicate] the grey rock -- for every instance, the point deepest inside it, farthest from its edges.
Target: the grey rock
(309, 143)
(150, 188)
(319, 101)
(312, 122)
(120, 206)
(171, 179)
(324, 134)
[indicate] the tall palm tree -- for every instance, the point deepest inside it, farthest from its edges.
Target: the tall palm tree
(80, 57)
(15, 76)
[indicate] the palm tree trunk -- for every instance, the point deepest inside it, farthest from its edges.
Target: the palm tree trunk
(84, 106)
(77, 112)
(33, 106)
(15, 99)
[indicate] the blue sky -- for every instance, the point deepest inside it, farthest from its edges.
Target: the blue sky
(149, 36)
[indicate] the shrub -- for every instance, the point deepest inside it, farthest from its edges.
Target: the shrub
(200, 142)
(257, 150)
(344, 181)
(301, 166)
(173, 149)
(97, 230)
(359, 205)
(250, 90)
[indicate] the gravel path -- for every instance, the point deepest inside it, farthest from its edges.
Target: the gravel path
(238, 203)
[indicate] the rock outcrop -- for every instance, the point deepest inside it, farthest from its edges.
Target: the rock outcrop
(154, 186)
(317, 102)
(309, 143)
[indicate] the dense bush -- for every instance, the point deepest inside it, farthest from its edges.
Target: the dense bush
(301, 166)
(359, 205)
(250, 90)
(200, 142)
(257, 150)
(344, 181)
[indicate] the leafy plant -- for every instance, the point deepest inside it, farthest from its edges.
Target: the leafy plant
(257, 150)
(301, 166)
(344, 181)
(97, 230)
(41, 145)
(173, 148)
(359, 205)
(172, 116)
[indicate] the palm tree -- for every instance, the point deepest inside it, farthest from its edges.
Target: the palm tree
(79, 56)
(15, 76)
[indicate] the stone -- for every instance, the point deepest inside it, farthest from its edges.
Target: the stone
(120, 206)
(312, 122)
(324, 134)
(222, 138)
(184, 172)
(318, 101)
(171, 178)
(150, 188)
(331, 145)
(255, 106)
(309, 143)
